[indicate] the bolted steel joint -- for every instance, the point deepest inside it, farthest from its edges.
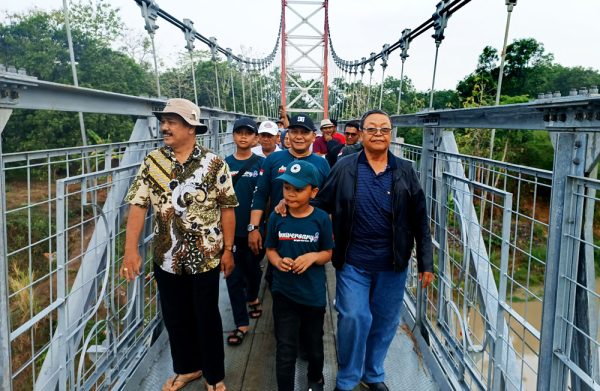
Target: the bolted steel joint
(372, 62)
(440, 20)
(385, 54)
(150, 13)
(190, 34)
(213, 48)
(405, 44)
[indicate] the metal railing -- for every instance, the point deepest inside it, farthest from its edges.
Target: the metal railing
(515, 304)
(515, 250)
(68, 321)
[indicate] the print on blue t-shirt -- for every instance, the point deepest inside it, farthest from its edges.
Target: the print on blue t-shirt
(292, 237)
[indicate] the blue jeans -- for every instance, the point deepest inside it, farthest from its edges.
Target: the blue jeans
(244, 282)
(368, 305)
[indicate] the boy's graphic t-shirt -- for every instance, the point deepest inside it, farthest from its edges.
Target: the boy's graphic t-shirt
(292, 237)
(244, 189)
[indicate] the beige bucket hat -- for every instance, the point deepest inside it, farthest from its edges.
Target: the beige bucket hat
(186, 110)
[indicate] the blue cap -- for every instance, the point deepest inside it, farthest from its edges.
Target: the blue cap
(300, 174)
(245, 122)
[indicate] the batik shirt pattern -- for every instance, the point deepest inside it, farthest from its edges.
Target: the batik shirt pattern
(187, 200)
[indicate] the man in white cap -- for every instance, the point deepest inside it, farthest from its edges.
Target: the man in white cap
(329, 133)
(267, 139)
(191, 194)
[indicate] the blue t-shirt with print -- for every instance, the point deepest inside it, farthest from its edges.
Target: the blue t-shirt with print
(292, 237)
(244, 189)
(267, 188)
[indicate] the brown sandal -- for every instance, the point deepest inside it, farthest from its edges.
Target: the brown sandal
(220, 386)
(181, 383)
(255, 310)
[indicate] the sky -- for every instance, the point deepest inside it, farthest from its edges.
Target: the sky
(569, 30)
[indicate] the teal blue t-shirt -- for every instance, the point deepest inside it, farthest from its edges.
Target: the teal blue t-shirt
(292, 237)
(244, 189)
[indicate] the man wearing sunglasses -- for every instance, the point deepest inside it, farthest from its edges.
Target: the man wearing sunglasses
(353, 137)
(379, 214)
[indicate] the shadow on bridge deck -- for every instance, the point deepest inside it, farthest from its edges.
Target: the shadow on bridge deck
(251, 366)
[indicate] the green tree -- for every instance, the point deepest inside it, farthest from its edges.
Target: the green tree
(37, 42)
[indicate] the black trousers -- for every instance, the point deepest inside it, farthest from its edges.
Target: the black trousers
(190, 308)
(291, 319)
(244, 282)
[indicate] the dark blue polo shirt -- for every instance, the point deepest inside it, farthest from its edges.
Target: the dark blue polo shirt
(370, 245)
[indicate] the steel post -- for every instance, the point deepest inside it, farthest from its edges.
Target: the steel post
(551, 372)
(5, 345)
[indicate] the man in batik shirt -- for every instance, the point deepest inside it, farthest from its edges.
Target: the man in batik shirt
(192, 197)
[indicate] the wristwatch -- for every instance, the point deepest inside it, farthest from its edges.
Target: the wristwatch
(251, 227)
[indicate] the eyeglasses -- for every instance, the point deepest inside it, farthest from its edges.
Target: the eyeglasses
(350, 134)
(375, 130)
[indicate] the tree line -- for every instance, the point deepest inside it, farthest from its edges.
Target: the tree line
(36, 41)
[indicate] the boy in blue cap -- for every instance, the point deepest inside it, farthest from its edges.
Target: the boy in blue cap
(298, 246)
(244, 282)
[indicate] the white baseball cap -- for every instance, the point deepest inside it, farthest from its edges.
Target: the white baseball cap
(269, 127)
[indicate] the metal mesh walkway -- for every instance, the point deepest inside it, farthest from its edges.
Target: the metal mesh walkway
(251, 366)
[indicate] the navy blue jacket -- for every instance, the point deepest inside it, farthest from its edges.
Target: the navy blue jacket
(409, 212)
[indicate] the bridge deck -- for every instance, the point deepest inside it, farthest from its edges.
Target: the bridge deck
(251, 366)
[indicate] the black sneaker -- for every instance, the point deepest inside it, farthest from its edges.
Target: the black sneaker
(379, 386)
(315, 386)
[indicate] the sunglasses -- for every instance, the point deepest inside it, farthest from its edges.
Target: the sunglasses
(350, 134)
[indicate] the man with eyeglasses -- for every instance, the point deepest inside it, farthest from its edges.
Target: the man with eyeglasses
(379, 213)
(353, 137)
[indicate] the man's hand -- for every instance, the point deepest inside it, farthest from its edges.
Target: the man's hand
(302, 263)
(426, 278)
(255, 241)
(227, 263)
(328, 136)
(132, 263)
(281, 208)
(284, 264)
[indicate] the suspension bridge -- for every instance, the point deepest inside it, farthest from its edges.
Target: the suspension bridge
(515, 305)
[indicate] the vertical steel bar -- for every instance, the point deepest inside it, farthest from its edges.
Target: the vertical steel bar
(194, 76)
(325, 61)
(283, 58)
(550, 369)
(232, 89)
(61, 287)
(437, 49)
(5, 345)
(502, 342)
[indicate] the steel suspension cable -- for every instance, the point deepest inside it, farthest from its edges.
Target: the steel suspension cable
(241, 71)
(232, 87)
(384, 60)
(371, 69)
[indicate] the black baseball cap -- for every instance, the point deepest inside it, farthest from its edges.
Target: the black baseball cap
(245, 122)
(302, 121)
